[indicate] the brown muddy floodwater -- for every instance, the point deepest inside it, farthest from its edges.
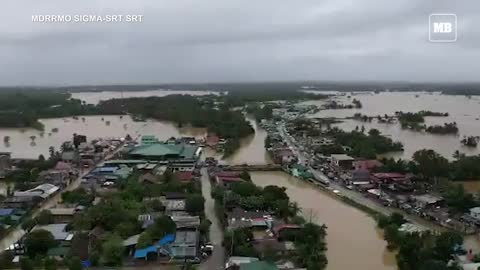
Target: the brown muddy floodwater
(93, 127)
(353, 240)
(462, 110)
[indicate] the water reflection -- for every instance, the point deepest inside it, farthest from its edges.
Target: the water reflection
(465, 111)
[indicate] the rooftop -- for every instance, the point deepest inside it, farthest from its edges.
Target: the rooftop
(57, 230)
(341, 157)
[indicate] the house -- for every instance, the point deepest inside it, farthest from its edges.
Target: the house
(239, 218)
(58, 230)
(182, 165)
(5, 163)
(367, 164)
(475, 213)
(148, 140)
(389, 178)
(22, 202)
(183, 222)
(227, 181)
(149, 178)
(184, 176)
(301, 171)
(279, 229)
(342, 160)
(162, 151)
(185, 245)
(360, 176)
(64, 215)
(283, 156)
(212, 140)
(43, 191)
(427, 200)
(263, 247)
(237, 260)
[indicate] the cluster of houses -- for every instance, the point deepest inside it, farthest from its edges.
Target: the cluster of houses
(392, 189)
(268, 230)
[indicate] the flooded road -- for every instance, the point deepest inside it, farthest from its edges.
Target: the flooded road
(216, 261)
(353, 240)
(462, 110)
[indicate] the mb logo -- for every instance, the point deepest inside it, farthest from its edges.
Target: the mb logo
(442, 28)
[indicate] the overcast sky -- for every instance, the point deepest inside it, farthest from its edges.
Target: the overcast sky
(236, 40)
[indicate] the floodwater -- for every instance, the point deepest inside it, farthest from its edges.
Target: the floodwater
(351, 233)
(96, 97)
(353, 240)
(465, 111)
(93, 127)
(252, 149)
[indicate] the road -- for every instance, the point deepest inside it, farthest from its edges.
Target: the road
(17, 233)
(217, 260)
(351, 194)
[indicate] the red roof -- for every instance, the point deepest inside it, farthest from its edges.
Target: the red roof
(184, 176)
(278, 228)
(367, 164)
(212, 140)
(229, 179)
(227, 174)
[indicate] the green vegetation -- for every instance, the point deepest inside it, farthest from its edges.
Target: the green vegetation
(38, 242)
(24, 108)
(419, 250)
(364, 145)
(78, 196)
(261, 111)
(447, 128)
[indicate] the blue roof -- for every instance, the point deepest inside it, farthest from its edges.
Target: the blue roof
(166, 239)
(142, 253)
(6, 211)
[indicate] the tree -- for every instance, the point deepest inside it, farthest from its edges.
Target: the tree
(6, 139)
(194, 204)
(44, 217)
(112, 250)
(162, 226)
(75, 264)
(28, 224)
(39, 242)
(144, 240)
(50, 264)
(26, 263)
(431, 164)
(245, 176)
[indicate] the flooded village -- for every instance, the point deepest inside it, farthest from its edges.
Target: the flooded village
(156, 194)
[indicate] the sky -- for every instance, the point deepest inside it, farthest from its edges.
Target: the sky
(236, 41)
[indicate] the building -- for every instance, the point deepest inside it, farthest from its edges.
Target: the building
(259, 265)
(389, 178)
(58, 230)
(367, 164)
(342, 160)
(475, 213)
(64, 215)
(5, 163)
(426, 200)
(149, 140)
(185, 245)
(43, 191)
(164, 152)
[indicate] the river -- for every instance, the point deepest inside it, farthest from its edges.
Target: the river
(462, 110)
(353, 240)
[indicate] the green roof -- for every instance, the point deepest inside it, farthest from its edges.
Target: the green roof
(58, 251)
(160, 149)
(260, 265)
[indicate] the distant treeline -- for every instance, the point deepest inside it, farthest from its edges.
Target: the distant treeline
(446, 88)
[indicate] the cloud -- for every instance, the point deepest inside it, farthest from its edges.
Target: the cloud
(235, 40)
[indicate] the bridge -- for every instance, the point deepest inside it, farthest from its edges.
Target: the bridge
(253, 167)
